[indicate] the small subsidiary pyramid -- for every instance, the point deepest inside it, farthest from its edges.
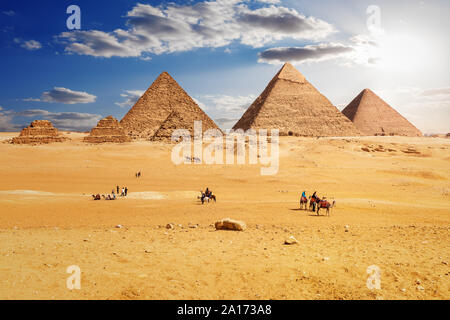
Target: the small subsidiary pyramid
(292, 105)
(39, 132)
(107, 130)
(162, 98)
(373, 116)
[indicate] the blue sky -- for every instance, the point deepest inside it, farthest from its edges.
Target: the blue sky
(222, 52)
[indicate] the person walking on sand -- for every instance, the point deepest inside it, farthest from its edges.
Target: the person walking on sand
(117, 190)
(126, 191)
(123, 192)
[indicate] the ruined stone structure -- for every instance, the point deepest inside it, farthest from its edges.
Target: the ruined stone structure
(39, 132)
(107, 130)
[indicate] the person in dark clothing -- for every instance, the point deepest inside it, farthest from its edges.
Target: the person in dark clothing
(118, 190)
(126, 191)
(313, 201)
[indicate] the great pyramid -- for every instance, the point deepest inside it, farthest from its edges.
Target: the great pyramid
(39, 132)
(292, 105)
(107, 130)
(162, 98)
(373, 116)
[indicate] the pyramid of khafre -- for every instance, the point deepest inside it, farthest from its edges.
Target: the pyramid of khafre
(372, 116)
(39, 132)
(162, 98)
(107, 130)
(292, 105)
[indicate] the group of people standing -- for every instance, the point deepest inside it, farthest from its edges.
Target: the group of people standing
(123, 191)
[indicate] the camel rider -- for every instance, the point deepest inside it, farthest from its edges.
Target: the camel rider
(304, 194)
(207, 192)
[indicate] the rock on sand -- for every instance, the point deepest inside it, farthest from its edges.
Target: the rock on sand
(229, 224)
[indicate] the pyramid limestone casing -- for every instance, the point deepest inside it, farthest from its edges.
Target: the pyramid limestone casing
(373, 116)
(162, 98)
(107, 130)
(39, 132)
(292, 105)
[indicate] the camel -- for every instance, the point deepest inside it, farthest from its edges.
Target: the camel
(203, 197)
(324, 204)
(303, 203)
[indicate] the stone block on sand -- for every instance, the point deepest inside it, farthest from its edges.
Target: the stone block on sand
(229, 224)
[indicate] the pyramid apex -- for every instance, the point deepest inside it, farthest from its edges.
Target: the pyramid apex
(289, 72)
(164, 74)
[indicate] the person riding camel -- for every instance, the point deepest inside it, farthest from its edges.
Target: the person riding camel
(304, 194)
(208, 193)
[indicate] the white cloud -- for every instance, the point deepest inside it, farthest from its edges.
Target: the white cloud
(6, 124)
(271, 24)
(66, 96)
(31, 45)
(226, 123)
(226, 103)
(270, 1)
(98, 44)
(225, 109)
(311, 53)
(428, 109)
(131, 96)
(71, 121)
(212, 24)
(9, 13)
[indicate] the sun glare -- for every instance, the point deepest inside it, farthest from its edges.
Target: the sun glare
(400, 52)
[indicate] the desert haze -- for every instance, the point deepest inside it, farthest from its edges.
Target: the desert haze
(392, 211)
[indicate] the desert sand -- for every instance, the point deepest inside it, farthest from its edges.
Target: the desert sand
(392, 198)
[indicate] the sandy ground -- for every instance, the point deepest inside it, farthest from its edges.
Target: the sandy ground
(395, 201)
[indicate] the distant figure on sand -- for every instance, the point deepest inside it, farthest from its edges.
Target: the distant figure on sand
(117, 190)
(123, 192)
(126, 191)
(303, 200)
